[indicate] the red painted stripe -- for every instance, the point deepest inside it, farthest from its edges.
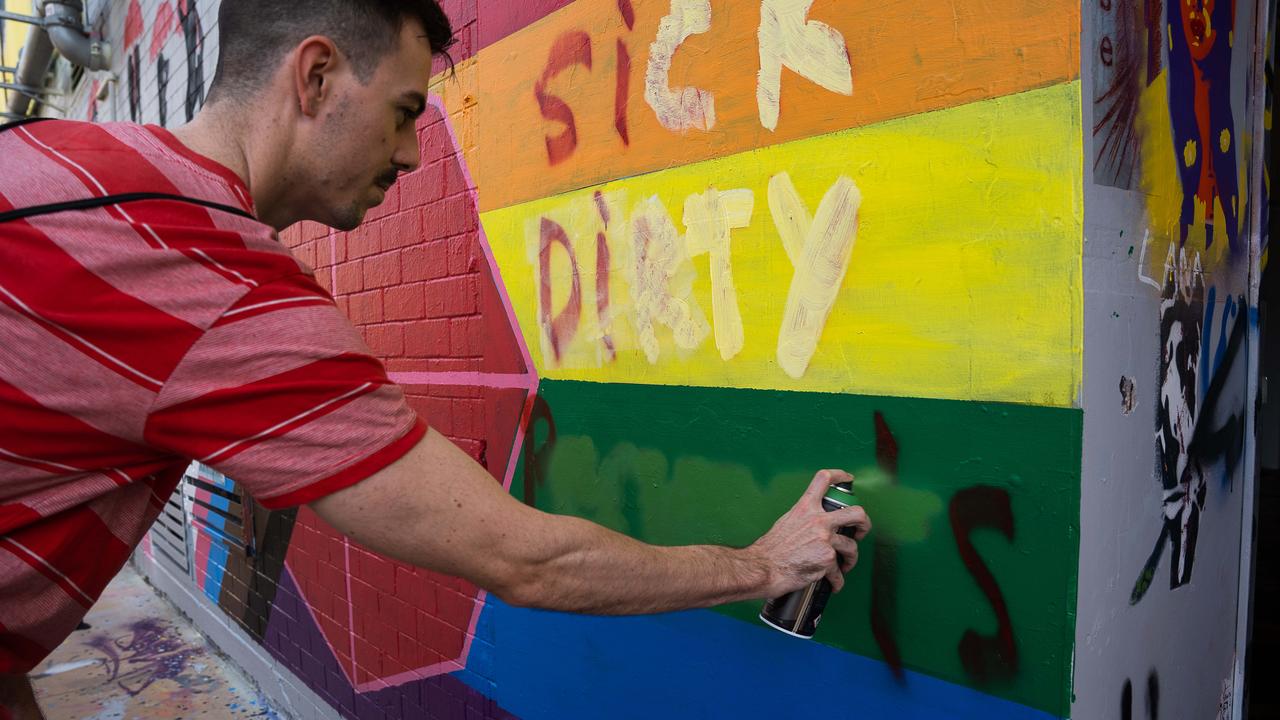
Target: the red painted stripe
(204, 542)
(132, 24)
(209, 424)
(165, 24)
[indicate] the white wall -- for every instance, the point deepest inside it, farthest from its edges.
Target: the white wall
(1185, 637)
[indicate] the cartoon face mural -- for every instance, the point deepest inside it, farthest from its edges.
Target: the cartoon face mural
(1204, 129)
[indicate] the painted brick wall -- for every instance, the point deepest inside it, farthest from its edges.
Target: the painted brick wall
(664, 259)
(559, 116)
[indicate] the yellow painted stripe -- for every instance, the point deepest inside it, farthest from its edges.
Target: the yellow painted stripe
(964, 281)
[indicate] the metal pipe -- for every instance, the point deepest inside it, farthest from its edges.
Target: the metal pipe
(15, 17)
(61, 27)
(63, 22)
(36, 57)
(29, 89)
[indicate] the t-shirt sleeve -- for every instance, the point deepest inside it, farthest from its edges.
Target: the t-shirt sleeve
(283, 396)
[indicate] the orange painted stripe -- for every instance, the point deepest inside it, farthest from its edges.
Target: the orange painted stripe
(906, 57)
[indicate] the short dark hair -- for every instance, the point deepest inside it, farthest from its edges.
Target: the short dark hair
(255, 34)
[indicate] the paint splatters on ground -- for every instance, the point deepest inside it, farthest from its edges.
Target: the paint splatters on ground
(140, 659)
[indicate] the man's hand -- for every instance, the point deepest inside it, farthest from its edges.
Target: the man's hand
(802, 546)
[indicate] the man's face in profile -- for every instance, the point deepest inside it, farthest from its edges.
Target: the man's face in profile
(367, 135)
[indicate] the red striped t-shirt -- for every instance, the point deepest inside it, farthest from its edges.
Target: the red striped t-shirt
(138, 336)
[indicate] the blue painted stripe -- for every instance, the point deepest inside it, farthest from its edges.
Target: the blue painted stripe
(218, 548)
(697, 664)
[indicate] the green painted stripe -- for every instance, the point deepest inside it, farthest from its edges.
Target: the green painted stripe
(679, 465)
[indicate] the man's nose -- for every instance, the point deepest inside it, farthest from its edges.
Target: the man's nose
(409, 155)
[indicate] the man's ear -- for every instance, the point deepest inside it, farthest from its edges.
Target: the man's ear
(316, 63)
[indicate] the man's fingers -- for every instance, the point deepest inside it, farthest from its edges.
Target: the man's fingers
(853, 516)
(823, 479)
(818, 485)
(848, 549)
(836, 578)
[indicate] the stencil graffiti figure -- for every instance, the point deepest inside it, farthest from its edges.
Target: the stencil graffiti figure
(1198, 425)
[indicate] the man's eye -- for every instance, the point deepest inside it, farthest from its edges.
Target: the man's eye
(403, 117)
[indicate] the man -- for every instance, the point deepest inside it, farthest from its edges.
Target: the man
(138, 332)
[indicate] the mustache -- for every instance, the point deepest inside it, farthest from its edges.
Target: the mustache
(388, 178)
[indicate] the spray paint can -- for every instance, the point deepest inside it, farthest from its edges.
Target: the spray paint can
(798, 613)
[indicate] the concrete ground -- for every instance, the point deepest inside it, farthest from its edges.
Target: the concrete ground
(141, 659)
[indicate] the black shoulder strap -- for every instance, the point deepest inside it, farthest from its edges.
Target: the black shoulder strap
(96, 202)
(20, 123)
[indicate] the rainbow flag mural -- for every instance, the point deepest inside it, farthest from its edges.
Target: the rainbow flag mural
(744, 241)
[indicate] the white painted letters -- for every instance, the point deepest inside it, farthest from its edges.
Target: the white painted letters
(662, 282)
(814, 49)
(678, 109)
(820, 249)
(709, 218)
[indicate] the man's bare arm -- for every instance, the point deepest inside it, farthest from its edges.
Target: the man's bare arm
(436, 508)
